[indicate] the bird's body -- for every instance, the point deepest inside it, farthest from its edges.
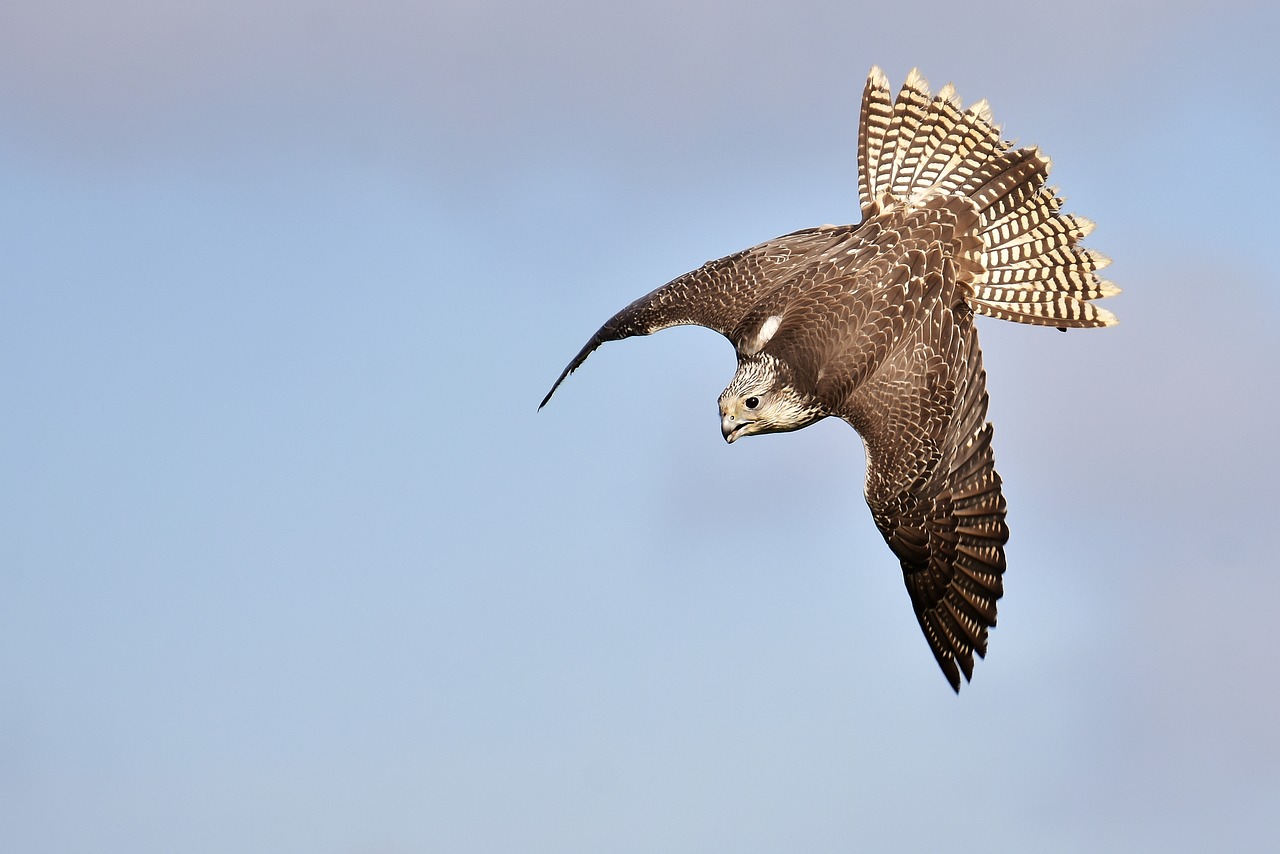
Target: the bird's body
(874, 324)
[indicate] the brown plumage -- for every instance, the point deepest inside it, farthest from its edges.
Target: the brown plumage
(874, 324)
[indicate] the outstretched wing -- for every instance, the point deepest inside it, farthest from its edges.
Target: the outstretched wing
(931, 479)
(717, 295)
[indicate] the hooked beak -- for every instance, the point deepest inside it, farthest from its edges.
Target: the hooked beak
(731, 428)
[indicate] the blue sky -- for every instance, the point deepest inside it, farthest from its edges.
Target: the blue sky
(288, 562)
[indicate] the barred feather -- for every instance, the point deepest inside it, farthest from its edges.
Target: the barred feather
(917, 147)
(1063, 311)
(874, 124)
(902, 149)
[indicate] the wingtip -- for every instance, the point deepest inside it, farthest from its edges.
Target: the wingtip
(952, 673)
(553, 390)
(596, 341)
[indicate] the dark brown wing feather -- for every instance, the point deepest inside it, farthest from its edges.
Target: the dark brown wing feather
(931, 481)
(717, 295)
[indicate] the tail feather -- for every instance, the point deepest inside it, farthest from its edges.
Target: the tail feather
(1020, 210)
(991, 184)
(877, 113)
(969, 145)
(946, 110)
(909, 112)
(917, 149)
(1030, 267)
(1062, 311)
(1066, 228)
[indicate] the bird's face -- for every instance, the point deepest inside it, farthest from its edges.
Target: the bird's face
(758, 400)
(742, 415)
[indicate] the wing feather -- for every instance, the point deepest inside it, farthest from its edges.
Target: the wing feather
(931, 481)
(717, 295)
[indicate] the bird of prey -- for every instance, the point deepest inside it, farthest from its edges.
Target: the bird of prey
(874, 323)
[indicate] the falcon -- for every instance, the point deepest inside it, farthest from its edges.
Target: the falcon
(874, 324)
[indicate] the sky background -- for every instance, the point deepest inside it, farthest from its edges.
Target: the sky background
(289, 562)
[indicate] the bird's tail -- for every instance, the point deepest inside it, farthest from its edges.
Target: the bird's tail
(918, 147)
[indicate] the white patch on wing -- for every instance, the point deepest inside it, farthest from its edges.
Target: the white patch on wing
(767, 329)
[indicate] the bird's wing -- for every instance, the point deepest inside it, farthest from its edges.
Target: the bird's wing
(931, 480)
(717, 295)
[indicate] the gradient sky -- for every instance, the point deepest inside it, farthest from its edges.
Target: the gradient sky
(289, 563)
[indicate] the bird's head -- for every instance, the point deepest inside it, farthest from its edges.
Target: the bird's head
(763, 399)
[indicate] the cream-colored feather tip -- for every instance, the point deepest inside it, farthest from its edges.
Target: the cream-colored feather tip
(1095, 258)
(1105, 317)
(916, 81)
(1082, 226)
(981, 109)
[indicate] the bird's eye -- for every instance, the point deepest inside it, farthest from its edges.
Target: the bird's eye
(752, 402)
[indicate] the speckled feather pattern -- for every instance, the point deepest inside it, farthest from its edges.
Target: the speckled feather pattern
(874, 324)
